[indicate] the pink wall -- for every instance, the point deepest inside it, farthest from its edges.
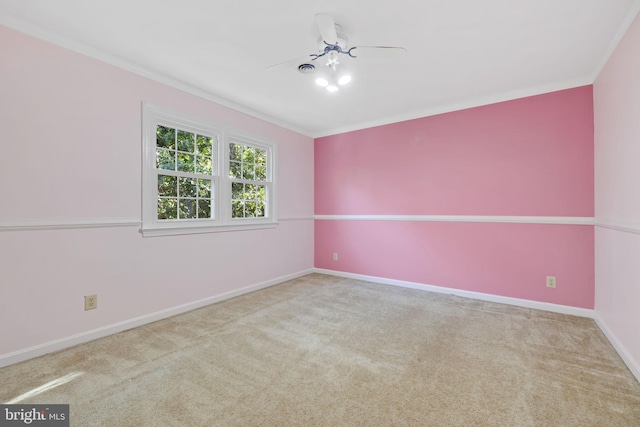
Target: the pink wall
(71, 152)
(527, 157)
(617, 205)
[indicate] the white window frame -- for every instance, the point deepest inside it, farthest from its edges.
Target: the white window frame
(152, 116)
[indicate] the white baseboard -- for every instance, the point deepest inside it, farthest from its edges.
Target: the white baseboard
(632, 364)
(556, 308)
(66, 342)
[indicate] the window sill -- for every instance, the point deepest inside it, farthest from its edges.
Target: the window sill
(200, 229)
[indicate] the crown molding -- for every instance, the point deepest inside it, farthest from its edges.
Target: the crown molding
(633, 11)
(128, 65)
(463, 105)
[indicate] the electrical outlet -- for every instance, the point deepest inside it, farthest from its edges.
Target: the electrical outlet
(551, 281)
(90, 302)
(335, 256)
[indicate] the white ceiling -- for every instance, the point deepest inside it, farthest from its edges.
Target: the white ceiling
(461, 53)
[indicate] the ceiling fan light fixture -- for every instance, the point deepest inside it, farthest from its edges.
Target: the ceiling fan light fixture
(340, 73)
(333, 48)
(333, 75)
(322, 82)
(344, 79)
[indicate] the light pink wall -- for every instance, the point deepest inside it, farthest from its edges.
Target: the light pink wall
(71, 151)
(527, 157)
(617, 204)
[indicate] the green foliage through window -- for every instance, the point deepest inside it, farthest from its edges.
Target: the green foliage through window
(248, 173)
(191, 195)
(246, 162)
(185, 190)
(177, 150)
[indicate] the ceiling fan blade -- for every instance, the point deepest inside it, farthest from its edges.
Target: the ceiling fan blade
(382, 52)
(327, 28)
(291, 63)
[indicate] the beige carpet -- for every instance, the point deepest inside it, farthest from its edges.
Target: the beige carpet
(328, 351)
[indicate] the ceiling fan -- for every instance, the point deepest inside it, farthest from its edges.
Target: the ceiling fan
(329, 62)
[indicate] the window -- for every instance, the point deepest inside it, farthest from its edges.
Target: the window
(248, 174)
(184, 161)
(198, 177)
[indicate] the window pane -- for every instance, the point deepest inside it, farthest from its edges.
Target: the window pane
(204, 208)
(248, 154)
(204, 165)
(186, 141)
(234, 170)
(204, 188)
(261, 157)
(237, 190)
(250, 209)
(187, 208)
(204, 145)
(261, 173)
(235, 152)
(165, 137)
(260, 209)
(167, 208)
(237, 209)
(260, 192)
(165, 159)
(249, 192)
(167, 185)
(186, 162)
(187, 187)
(248, 171)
